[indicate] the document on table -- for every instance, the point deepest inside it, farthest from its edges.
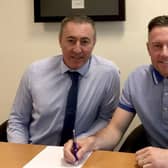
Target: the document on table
(52, 157)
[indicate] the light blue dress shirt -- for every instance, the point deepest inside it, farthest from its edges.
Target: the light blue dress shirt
(39, 107)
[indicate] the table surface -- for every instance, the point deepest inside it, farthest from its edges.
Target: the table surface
(17, 155)
(108, 159)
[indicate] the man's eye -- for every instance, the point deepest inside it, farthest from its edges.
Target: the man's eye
(71, 41)
(85, 42)
(158, 46)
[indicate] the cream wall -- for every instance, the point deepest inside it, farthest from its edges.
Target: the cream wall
(22, 41)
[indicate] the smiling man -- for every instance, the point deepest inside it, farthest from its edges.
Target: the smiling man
(40, 110)
(158, 49)
(77, 41)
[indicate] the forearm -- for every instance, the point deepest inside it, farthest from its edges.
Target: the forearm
(107, 138)
(110, 136)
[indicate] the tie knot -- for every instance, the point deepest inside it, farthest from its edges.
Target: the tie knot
(73, 75)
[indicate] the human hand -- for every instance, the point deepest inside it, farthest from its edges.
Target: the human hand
(84, 145)
(152, 157)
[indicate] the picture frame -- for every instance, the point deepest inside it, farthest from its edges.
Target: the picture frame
(56, 10)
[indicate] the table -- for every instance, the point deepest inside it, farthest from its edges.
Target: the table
(17, 155)
(108, 159)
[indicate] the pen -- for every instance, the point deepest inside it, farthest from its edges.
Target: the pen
(75, 148)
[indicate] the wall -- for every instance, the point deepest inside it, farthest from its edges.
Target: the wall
(22, 41)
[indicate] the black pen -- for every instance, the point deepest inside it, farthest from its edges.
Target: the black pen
(75, 148)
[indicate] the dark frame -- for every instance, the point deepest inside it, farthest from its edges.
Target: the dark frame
(120, 16)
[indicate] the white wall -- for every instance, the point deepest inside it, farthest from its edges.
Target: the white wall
(22, 41)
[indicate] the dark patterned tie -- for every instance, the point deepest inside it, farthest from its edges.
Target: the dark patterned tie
(70, 111)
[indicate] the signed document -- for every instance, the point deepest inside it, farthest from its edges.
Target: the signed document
(52, 157)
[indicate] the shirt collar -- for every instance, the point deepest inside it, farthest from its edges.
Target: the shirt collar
(82, 71)
(157, 77)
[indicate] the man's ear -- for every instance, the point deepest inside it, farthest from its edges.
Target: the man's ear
(147, 46)
(59, 40)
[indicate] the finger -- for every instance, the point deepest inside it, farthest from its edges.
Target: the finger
(142, 154)
(86, 146)
(68, 155)
(140, 162)
(143, 150)
(141, 157)
(81, 152)
(144, 162)
(149, 165)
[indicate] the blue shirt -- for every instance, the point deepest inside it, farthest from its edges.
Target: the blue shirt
(39, 107)
(146, 93)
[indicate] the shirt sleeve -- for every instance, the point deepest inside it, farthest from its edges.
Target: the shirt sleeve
(18, 124)
(126, 102)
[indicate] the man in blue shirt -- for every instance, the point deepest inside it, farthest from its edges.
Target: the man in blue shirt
(146, 93)
(38, 110)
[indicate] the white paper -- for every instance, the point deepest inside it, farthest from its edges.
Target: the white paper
(78, 4)
(52, 157)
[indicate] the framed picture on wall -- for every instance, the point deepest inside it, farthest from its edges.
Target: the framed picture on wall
(98, 10)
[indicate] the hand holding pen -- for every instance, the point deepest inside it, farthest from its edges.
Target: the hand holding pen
(75, 147)
(76, 151)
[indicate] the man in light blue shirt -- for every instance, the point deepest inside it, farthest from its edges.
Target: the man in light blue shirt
(39, 107)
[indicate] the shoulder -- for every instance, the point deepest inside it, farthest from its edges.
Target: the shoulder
(140, 76)
(46, 61)
(137, 81)
(45, 64)
(142, 70)
(43, 67)
(104, 64)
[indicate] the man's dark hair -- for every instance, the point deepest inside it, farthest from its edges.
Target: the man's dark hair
(77, 19)
(158, 21)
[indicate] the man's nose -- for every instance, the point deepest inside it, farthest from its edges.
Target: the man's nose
(165, 50)
(77, 47)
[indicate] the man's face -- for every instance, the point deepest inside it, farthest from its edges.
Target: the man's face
(77, 42)
(158, 49)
